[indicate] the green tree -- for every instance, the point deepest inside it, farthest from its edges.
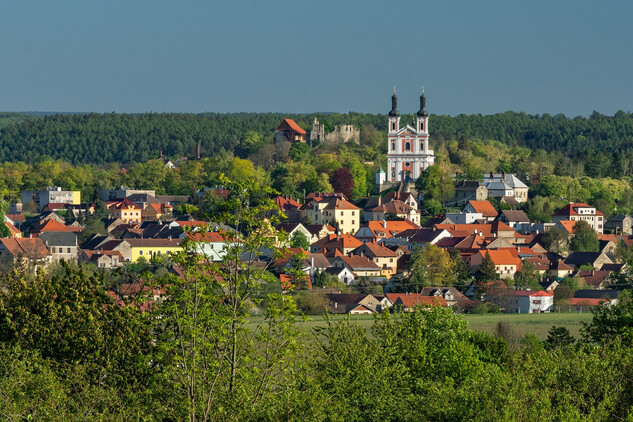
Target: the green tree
(436, 183)
(4, 230)
(431, 266)
(221, 368)
(527, 277)
(487, 270)
(584, 238)
(558, 337)
(611, 322)
(299, 240)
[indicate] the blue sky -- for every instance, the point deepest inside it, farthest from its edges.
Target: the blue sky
(485, 57)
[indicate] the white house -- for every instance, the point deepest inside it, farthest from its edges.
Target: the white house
(529, 301)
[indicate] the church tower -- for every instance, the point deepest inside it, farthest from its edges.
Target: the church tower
(408, 147)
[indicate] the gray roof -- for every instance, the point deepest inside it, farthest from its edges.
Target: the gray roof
(59, 238)
(515, 216)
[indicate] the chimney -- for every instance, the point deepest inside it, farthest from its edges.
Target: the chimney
(384, 224)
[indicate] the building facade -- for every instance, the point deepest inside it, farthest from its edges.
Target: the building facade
(408, 147)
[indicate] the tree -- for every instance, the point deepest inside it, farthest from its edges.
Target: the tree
(70, 319)
(342, 181)
(431, 266)
(556, 240)
(299, 151)
(4, 230)
(487, 270)
(221, 368)
(584, 238)
(611, 322)
(526, 277)
(299, 240)
(558, 337)
(436, 183)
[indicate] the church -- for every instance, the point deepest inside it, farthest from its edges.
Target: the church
(408, 149)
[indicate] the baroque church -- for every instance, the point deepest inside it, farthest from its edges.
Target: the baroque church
(408, 149)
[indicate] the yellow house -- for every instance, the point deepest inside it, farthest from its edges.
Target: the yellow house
(148, 248)
(126, 210)
(332, 209)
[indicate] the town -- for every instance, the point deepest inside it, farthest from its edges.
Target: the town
(386, 251)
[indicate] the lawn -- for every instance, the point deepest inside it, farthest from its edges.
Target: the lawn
(513, 325)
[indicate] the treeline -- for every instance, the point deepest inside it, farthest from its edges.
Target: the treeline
(597, 142)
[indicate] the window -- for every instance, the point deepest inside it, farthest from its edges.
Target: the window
(407, 146)
(393, 146)
(53, 249)
(352, 221)
(393, 125)
(407, 164)
(140, 252)
(67, 250)
(422, 146)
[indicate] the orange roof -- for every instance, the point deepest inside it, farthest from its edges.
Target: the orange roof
(501, 256)
(466, 229)
(29, 248)
(568, 225)
(587, 301)
(293, 282)
(51, 225)
(286, 203)
(484, 207)
(207, 237)
(334, 241)
(392, 227)
(530, 293)
(290, 123)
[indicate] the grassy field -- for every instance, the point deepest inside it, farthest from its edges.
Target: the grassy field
(514, 325)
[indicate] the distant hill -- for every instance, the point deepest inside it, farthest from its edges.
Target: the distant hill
(12, 118)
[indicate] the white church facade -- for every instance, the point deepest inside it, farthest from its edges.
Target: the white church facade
(408, 147)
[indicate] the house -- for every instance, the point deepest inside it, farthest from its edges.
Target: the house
(598, 280)
(609, 294)
(529, 301)
(291, 229)
(148, 248)
(485, 208)
(382, 230)
(512, 186)
(33, 251)
(406, 197)
(37, 199)
(382, 256)
(353, 303)
(360, 266)
(289, 207)
(619, 224)
(289, 131)
(407, 302)
(62, 244)
(559, 270)
(506, 263)
(395, 208)
(101, 259)
(451, 295)
(153, 211)
(469, 190)
(319, 231)
(332, 209)
(345, 243)
(210, 244)
(576, 211)
(121, 246)
(122, 193)
(126, 210)
(595, 259)
(343, 274)
(576, 304)
(517, 219)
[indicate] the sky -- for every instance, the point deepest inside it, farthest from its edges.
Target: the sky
(296, 56)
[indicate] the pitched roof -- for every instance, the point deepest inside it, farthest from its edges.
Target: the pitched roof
(29, 248)
(409, 300)
(577, 259)
(515, 216)
(154, 243)
(501, 256)
(394, 207)
(59, 238)
(484, 207)
(359, 263)
(51, 226)
(579, 301)
(374, 249)
(289, 123)
(286, 203)
(529, 293)
(568, 225)
(344, 241)
(572, 209)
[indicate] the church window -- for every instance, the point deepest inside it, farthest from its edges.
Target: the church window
(393, 126)
(407, 146)
(422, 145)
(393, 146)
(421, 126)
(407, 164)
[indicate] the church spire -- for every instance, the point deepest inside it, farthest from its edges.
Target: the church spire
(394, 104)
(422, 112)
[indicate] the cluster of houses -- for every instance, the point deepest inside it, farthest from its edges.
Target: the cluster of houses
(370, 241)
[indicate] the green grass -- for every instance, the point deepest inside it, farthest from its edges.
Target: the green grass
(515, 325)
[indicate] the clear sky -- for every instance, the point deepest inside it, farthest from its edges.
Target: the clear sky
(553, 56)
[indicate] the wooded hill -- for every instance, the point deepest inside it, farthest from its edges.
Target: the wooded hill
(128, 138)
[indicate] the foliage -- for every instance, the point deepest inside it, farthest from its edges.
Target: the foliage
(527, 277)
(611, 322)
(299, 240)
(431, 266)
(584, 238)
(436, 184)
(342, 181)
(558, 337)
(69, 318)
(487, 270)
(215, 362)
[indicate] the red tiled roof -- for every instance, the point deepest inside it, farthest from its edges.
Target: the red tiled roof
(571, 209)
(290, 123)
(578, 301)
(409, 300)
(51, 225)
(29, 248)
(529, 293)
